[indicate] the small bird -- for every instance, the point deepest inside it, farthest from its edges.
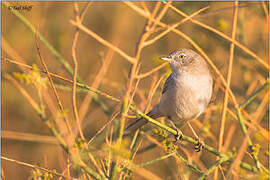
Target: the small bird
(186, 93)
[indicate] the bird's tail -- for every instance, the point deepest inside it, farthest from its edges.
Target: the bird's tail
(154, 113)
(135, 125)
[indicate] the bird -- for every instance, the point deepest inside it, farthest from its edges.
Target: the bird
(186, 92)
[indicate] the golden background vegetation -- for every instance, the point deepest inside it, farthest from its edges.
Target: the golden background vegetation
(27, 138)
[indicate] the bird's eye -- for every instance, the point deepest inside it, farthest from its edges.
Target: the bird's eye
(181, 56)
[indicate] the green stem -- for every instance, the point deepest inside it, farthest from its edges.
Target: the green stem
(244, 129)
(213, 167)
(122, 120)
(155, 160)
(242, 124)
(113, 171)
(189, 139)
(191, 166)
(77, 161)
(241, 119)
(253, 95)
(58, 137)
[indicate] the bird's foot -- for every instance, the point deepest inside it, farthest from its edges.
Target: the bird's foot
(178, 136)
(199, 145)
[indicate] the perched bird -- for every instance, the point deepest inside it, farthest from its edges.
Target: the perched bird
(186, 93)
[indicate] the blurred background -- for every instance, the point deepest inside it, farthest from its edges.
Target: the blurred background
(26, 138)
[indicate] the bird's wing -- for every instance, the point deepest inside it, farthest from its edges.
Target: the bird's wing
(167, 83)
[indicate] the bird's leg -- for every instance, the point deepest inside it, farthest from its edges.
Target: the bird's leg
(200, 144)
(179, 135)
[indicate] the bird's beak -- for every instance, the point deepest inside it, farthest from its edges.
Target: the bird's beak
(168, 58)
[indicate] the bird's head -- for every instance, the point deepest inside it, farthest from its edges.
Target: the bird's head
(184, 60)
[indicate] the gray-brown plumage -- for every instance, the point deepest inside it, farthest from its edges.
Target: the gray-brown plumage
(186, 92)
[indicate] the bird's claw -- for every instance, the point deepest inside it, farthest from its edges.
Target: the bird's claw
(199, 145)
(179, 135)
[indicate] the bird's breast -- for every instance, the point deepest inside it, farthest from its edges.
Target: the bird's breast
(194, 93)
(188, 97)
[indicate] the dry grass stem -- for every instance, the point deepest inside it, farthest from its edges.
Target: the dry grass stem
(75, 71)
(229, 75)
(52, 85)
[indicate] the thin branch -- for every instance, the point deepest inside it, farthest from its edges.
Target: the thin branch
(75, 71)
(101, 129)
(151, 41)
(244, 48)
(156, 160)
(144, 75)
(52, 84)
(254, 95)
(103, 41)
(213, 167)
(229, 75)
(34, 167)
(21, 136)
